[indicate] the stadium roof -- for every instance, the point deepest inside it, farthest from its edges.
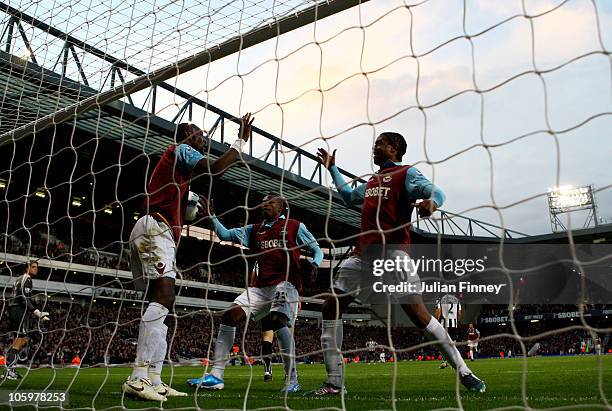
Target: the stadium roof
(32, 91)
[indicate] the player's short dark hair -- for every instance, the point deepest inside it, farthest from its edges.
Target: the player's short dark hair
(29, 264)
(280, 197)
(184, 130)
(398, 141)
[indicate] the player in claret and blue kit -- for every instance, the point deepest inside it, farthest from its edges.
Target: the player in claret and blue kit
(387, 201)
(153, 244)
(276, 243)
(473, 336)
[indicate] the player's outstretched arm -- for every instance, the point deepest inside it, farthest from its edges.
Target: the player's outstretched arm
(349, 195)
(220, 165)
(239, 235)
(419, 187)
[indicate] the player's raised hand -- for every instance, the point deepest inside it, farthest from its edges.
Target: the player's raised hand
(246, 127)
(325, 158)
(43, 315)
(425, 207)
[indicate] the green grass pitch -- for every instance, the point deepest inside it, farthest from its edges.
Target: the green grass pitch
(550, 382)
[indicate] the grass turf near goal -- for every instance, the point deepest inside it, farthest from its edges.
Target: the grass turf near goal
(549, 381)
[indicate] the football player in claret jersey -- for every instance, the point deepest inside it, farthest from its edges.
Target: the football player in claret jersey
(448, 312)
(153, 243)
(21, 309)
(473, 335)
(387, 201)
(276, 243)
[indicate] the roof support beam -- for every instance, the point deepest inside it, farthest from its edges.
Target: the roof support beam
(231, 46)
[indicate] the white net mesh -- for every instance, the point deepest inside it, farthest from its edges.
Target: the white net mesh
(499, 102)
(147, 35)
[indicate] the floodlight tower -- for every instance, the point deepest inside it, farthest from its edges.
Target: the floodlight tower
(567, 199)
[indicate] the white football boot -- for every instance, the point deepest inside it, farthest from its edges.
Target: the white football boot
(167, 391)
(142, 388)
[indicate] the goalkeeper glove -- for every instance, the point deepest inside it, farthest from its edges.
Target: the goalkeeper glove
(43, 315)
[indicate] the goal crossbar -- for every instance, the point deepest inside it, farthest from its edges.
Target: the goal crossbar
(284, 25)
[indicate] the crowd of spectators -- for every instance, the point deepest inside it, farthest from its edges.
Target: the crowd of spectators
(492, 310)
(227, 265)
(105, 333)
(554, 338)
(59, 250)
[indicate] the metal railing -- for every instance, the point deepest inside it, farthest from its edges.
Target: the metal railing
(448, 223)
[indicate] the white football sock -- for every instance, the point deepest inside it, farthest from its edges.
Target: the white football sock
(157, 361)
(149, 337)
(435, 331)
(331, 344)
(286, 343)
(225, 340)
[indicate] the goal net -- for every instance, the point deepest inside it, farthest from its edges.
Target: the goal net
(504, 107)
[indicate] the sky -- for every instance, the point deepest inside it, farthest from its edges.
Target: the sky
(316, 95)
(479, 122)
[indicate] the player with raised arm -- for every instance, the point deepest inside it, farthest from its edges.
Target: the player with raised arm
(21, 309)
(387, 201)
(448, 310)
(154, 241)
(276, 243)
(473, 335)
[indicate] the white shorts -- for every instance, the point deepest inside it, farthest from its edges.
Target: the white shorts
(259, 302)
(473, 344)
(153, 251)
(349, 277)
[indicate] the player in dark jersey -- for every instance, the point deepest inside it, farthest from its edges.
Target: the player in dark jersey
(387, 201)
(276, 243)
(448, 312)
(153, 243)
(21, 309)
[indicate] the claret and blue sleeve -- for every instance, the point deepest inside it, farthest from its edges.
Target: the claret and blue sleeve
(242, 235)
(417, 187)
